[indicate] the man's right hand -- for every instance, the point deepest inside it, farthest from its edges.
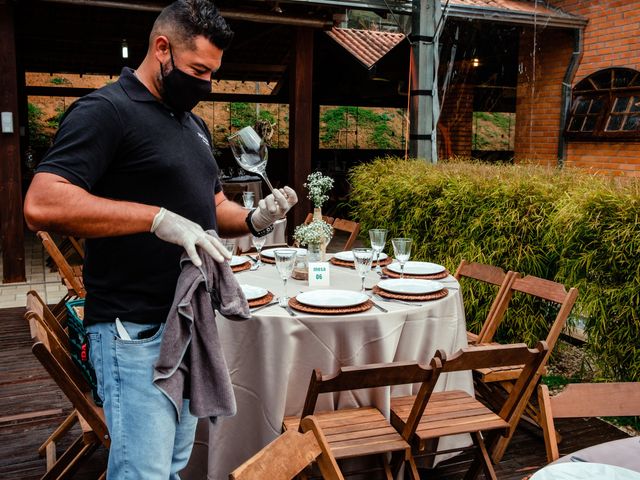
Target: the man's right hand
(173, 228)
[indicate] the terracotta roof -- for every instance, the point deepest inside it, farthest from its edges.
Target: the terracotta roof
(522, 6)
(367, 46)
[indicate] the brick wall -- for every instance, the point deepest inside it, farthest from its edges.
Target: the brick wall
(610, 40)
(456, 122)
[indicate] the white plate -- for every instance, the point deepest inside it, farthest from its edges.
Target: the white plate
(332, 298)
(269, 251)
(253, 293)
(410, 286)
(417, 268)
(347, 256)
(237, 260)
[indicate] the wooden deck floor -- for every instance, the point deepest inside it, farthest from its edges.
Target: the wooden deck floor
(31, 406)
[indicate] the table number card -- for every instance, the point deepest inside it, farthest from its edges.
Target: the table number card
(319, 274)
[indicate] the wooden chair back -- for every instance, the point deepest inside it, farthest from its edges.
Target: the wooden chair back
(329, 220)
(580, 400)
(485, 356)
(65, 270)
(290, 454)
(57, 360)
(36, 304)
(350, 227)
(541, 288)
(369, 376)
(494, 276)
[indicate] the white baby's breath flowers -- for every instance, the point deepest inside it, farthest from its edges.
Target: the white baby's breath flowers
(314, 232)
(318, 186)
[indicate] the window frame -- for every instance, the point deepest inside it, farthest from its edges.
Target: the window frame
(588, 89)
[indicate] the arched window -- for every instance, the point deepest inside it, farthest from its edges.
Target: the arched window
(606, 105)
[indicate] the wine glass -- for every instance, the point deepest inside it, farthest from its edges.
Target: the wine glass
(229, 244)
(248, 198)
(402, 251)
(378, 237)
(250, 152)
(285, 261)
(362, 258)
(258, 243)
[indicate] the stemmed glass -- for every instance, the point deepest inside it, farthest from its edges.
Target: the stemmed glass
(362, 258)
(248, 198)
(258, 243)
(250, 152)
(285, 261)
(402, 251)
(378, 237)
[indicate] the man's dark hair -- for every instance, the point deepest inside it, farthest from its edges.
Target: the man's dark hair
(184, 20)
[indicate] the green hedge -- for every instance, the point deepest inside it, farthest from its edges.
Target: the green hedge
(571, 227)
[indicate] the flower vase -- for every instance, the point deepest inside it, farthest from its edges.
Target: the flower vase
(317, 215)
(314, 252)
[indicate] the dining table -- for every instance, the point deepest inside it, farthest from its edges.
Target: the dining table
(582, 470)
(272, 355)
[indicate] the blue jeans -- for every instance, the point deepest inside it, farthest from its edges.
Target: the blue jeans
(147, 442)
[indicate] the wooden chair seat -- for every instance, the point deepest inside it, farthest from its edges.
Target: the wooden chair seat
(500, 374)
(353, 432)
(447, 413)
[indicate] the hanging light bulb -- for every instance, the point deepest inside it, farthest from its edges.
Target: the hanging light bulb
(475, 62)
(125, 49)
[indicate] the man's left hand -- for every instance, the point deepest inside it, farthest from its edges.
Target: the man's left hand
(274, 207)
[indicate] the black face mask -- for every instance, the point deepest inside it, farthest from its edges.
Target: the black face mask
(181, 91)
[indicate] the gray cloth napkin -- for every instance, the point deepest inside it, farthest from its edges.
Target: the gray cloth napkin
(191, 363)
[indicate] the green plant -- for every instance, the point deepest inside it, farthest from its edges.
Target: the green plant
(54, 122)
(567, 226)
(244, 114)
(60, 81)
(38, 138)
(375, 126)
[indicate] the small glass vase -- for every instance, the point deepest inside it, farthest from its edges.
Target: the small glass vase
(314, 252)
(317, 215)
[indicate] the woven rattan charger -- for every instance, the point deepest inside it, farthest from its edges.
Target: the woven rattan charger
(258, 302)
(345, 263)
(363, 307)
(416, 298)
(433, 276)
(242, 267)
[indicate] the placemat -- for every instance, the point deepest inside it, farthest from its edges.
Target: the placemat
(344, 263)
(243, 266)
(434, 276)
(267, 259)
(418, 298)
(363, 307)
(261, 301)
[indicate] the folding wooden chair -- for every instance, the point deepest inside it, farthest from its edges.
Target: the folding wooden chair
(352, 228)
(71, 278)
(493, 276)
(422, 419)
(585, 400)
(364, 431)
(56, 359)
(495, 383)
(290, 454)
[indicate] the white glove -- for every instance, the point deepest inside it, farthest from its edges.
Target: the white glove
(173, 228)
(273, 207)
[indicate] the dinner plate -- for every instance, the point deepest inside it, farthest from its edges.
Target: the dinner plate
(409, 286)
(253, 293)
(332, 298)
(417, 268)
(237, 260)
(347, 256)
(269, 252)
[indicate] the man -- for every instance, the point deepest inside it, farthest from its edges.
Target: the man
(131, 170)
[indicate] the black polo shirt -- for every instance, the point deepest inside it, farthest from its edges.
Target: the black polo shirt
(119, 142)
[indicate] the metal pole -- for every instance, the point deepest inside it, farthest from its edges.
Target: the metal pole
(423, 71)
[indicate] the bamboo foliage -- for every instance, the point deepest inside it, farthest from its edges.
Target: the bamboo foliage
(564, 225)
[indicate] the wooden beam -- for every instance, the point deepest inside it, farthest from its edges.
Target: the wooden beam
(301, 123)
(11, 220)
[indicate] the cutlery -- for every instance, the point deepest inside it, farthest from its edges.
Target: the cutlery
(288, 309)
(264, 306)
(254, 260)
(382, 309)
(253, 267)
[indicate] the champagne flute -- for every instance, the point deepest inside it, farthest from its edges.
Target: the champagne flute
(258, 243)
(362, 258)
(248, 198)
(378, 237)
(250, 152)
(402, 251)
(285, 261)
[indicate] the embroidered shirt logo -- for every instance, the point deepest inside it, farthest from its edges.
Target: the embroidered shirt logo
(204, 139)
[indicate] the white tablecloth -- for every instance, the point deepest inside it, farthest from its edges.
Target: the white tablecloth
(271, 358)
(277, 237)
